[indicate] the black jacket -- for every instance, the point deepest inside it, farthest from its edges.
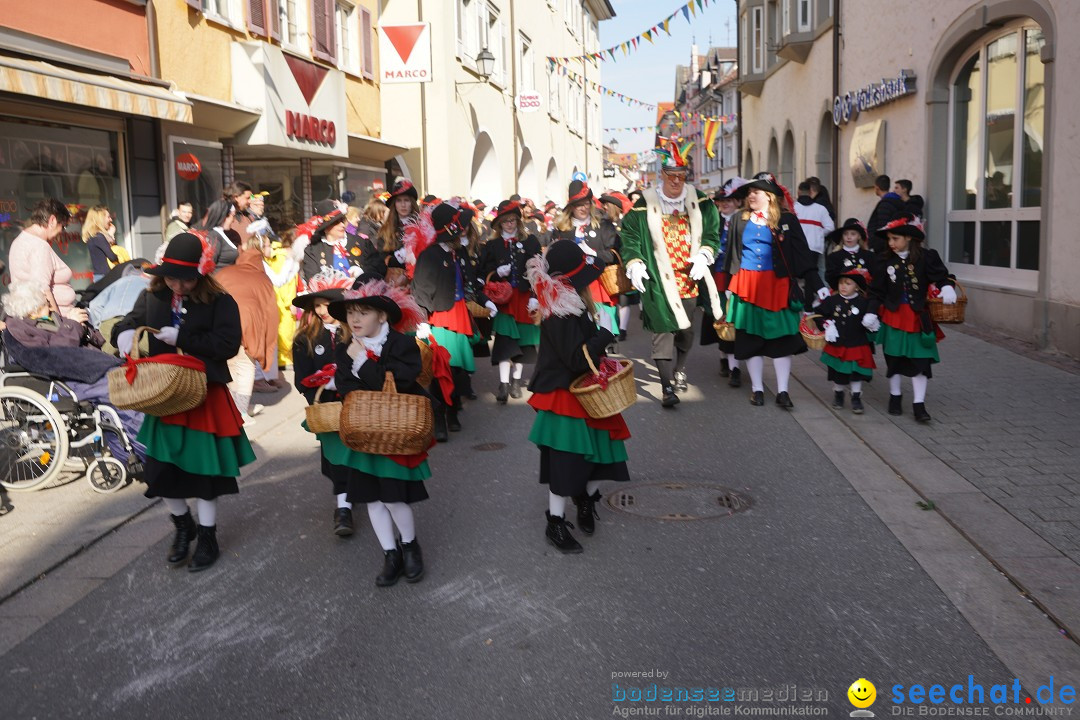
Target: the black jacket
(434, 281)
(495, 253)
(889, 206)
(912, 278)
(308, 360)
(848, 315)
(560, 360)
(840, 261)
(224, 253)
(372, 258)
(603, 240)
(209, 332)
(318, 255)
(791, 255)
(400, 357)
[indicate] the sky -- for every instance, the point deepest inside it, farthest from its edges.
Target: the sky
(648, 74)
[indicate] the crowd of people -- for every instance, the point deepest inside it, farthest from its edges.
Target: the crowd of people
(421, 287)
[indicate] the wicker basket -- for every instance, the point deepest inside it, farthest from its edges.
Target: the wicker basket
(158, 388)
(942, 313)
(614, 279)
(323, 417)
(814, 337)
(386, 423)
(427, 368)
(498, 292)
(620, 394)
(477, 310)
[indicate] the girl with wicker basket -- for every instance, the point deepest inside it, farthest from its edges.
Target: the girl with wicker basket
(314, 348)
(848, 352)
(902, 276)
(374, 318)
(503, 260)
(197, 453)
(576, 450)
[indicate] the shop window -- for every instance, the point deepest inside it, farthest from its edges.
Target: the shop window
(995, 173)
(197, 172)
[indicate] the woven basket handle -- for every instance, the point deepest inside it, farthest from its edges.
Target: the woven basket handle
(134, 354)
(318, 394)
(618, 257)
(389, 386)
(588, 359)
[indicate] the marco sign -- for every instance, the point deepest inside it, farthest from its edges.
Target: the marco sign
(847, 107)
(405, 53)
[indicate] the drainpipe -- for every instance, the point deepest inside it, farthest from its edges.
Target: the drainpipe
(151, 35)
(835, 179)
(738, 95)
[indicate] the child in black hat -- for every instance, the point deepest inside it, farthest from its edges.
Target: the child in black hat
(576, 451)
(850, 251)
(848, 353)
(198, 453)
(374, 318)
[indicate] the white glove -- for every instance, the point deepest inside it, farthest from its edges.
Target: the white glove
(586, 249)
(491, 306)
(948, 295)
(259, 227)
(870, 322)
(532, 305)
(503, 270)
(167, 334)
(699, 267)
(823, 292)
(637, 275)
(331, 385)
(831, 333)
(400, 254)
(605, 321)
(423, 331)
(125, 342)
(355, 271)
(358, 361)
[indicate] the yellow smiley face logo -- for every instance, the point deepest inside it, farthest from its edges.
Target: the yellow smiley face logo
(862, 693)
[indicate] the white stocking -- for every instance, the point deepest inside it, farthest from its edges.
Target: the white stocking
(382, 524)
(838, 388)
(556, 505)
(756, 367)
(732, 363)
(518, 369)
(207, 512)
(894, 384)
(177, 506)
(403, 518)
(918, 388)
(782, 366)
(342, 501)
(504, 371)
(856, 387)
(592, 487)
(624, 317)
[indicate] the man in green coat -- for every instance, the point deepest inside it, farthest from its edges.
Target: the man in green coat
(670, 239)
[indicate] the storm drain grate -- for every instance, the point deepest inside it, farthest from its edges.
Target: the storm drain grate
(679, 501)
(488, 447)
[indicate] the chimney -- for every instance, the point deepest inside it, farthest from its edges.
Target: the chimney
(693, 61)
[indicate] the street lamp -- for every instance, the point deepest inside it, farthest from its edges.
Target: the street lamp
(485, 66)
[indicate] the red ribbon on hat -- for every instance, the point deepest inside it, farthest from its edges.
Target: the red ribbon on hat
(581, 195)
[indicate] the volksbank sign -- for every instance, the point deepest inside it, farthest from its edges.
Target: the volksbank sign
(847, 107)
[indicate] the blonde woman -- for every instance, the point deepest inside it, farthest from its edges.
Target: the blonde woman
(402, 205)
(97, 232)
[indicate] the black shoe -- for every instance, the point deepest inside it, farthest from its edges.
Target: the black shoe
(413, 560)
(757, 398)
(680, 381)
(452, 422)
(622, 336)
(784, 400)
(725, 371)
(856, 403)
(185, 533)
(736, 378)
(393, 568)
(838, 399)
(919, 409)
(894, 405)
(670, 399)
(515, 388)
(586, 512)
(207, 551)
(558, 534)
(441, 432)
(502, 393)
(343, 522)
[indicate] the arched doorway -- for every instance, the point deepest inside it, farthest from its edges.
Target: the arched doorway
(484, 177)
(823, 159)
(552, 186)
(526, 176)
(748, 163)
(787, 161)
(774, 156)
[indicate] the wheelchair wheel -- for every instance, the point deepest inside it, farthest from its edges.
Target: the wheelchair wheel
(33, 439)
(106, 475)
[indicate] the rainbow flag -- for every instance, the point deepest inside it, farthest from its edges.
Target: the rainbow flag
(712, 127)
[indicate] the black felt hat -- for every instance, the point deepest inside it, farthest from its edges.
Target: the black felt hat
(187, 256)
(565, 259)
(837, 235)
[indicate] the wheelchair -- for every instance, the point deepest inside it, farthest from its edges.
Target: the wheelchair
(46, 432)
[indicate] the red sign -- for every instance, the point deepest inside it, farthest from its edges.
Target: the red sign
(305, 127)
(188, 167)
(378, 185)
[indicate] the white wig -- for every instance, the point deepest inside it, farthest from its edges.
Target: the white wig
(23, 299)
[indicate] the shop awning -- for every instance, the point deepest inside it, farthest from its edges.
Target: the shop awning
(51, 82)
(369, 148)
(225, 117)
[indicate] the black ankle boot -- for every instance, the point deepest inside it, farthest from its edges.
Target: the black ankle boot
(440, 429)
(452, 422)
(586, 512)
(895, 408)
(207, 551)
(393, 567)
(669, 399)
(502, 393)
(736, 378)
(838, 399)
(784, 400)
(343, 522)
(725, 371)
(919, 409)
(757, 398)
(413, 561)
(515, 388)
(856, 403)
(558, 534)
(185, 533)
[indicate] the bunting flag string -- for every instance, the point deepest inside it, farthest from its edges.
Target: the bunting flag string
(690, 8)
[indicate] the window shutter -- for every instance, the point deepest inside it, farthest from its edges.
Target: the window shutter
(256, 17)
(195, 4)
(367, 55)
(322, 21)
(273, 20)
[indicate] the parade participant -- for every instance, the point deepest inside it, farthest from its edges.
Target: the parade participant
(402, 202)
(503, 259)
(374, 317)
(313, 351)
(848, 353)
(670, 239)
(470, 256)
(576, 450)
(766, 256)
(851, 253)
(727, 204)
(223, 238)
(615, 206)
(198, 453)
(439, 286)
(901, 280)
(331, 248)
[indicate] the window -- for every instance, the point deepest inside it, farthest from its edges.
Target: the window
(787, 16)
(526, 72)
(225, 11)
(804, 15)
(324, 31)
(293, 24)
(554, 96)
(757, 39)
(348, 48)
(996, 157)
(367, 52)
(744, 45)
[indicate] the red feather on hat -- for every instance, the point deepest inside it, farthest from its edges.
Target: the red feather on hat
(329, 280)
(555, 295)
(206, 259)
(411, 313)
(419, 235)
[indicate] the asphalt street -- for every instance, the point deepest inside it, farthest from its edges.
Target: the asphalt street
(807, 588)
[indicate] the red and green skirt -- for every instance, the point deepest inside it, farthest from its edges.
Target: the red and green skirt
(848, 363)
(766, 319)
(908, 350)
(516, 335)
(454, 330)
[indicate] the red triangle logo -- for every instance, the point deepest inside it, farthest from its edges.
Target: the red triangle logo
(403, 38)
(309, 76)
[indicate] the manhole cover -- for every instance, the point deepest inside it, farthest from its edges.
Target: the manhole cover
(488, 447)
(678, 501)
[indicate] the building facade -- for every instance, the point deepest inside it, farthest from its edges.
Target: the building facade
(707, 88)
(467, 134)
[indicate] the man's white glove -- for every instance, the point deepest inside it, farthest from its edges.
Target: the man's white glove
(503, 270)
(423, 331)
(491, 306)
(831, 333)
(638, 275)
(870, 322)
(125, 342)
(167, 334)
(355, 271)
(533, 305)
(699, 267)
(948, 295)
(400, 254)
(823, 292)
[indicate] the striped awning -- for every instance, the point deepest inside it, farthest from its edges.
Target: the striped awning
(51, 82)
